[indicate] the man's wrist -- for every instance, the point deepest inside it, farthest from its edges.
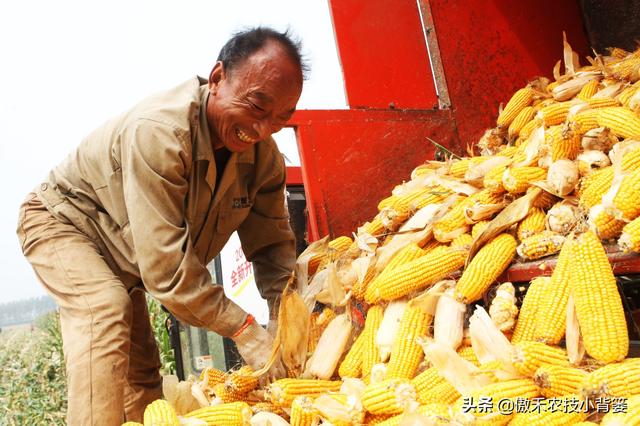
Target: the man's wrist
(247, 322)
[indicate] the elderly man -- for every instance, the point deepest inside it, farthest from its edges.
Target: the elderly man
(146, 202)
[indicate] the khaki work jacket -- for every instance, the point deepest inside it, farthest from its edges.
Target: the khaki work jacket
(143, 187)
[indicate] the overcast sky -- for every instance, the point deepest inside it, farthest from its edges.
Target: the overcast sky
(68, 66)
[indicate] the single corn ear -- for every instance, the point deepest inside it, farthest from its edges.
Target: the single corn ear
(598, 303)
(531, 306)
(331, 346)
(520, 99)
(448, 322)
(388, 330)
(160, 412)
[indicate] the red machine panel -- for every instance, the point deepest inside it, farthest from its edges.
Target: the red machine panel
(383, 54)
(491, 48)
(351, 159)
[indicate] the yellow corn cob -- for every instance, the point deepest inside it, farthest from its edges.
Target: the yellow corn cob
(380, 419)
(132, 424)
(517, 179)
(622, 121)
(160, 413)
(520, 99)
(550, 324)
(455, 222)
(543, 244)
(532, 224)
(626, 203)
(585, 424)
(596, 186)
(529, 356)
(630, 238)
(371, 354)
(626, 95)
(387, 202)
(604, 224)
(493, 179)
(227, 394)
(351, 365)
(459, 168)
(545, 200)
(426, 381)
(415, 275)
(335, 248)
(552, 86)
(564, 142)
(530, 309)
(555, 113)
(621, 379)
(442, 392)
(487, 265)
(558, 380)
(626, 69)
(374, 227)
(619, 53)
(462, 242)
(390, 396)
(508, 389)
(479, 227)
(527, 129)
(507, 151)
(232, 414)
(596, 103)
(588, 90)
(467, 353)
(406, 353)
(585, 120)
(302, 412)
(212, 376)
(598, 304)
(631, 160)
(360, 287)
(404, 205)
(267, 406)
(632, 415)
(523, 117)
(318, 323)
(405, 255)
(242, 380)
(284, 391)
(553, 415)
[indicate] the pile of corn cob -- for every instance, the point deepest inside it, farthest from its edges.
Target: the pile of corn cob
(557, 175)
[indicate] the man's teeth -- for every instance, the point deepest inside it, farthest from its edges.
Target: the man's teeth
(244, 137)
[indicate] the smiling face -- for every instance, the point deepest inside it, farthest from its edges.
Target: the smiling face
(253, 100)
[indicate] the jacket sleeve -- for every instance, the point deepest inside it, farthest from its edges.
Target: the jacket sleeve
(156, 159)
(266, 236)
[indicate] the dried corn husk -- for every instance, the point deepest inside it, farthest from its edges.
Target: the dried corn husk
(573, 339)
(503, 310)
(265, 418)
(591, 160)
(562, 218)
(389, 327)
(330, 348)
(599, 139)
(562, 177)
(448, 322)
(463, 375)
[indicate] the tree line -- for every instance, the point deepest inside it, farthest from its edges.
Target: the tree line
(25, 311)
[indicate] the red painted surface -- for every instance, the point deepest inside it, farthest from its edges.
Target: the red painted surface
(294, 175)
(383, 54)
(351, 159)
(490, 48)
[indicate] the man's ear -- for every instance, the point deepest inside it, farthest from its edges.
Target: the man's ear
(216, 76)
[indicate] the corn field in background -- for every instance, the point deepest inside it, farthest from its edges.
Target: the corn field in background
(33, 389)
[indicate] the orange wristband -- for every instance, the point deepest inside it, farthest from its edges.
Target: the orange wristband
(250, 319)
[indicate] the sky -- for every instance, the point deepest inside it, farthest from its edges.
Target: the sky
(68, 66)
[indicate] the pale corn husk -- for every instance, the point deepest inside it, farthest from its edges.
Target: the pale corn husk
(179, 394)
(611, 91)
(330, 348)
(562, 177)
(490, 344)
(562, 218)
(378, 373)
(318, 284)
(573, 339)
(463, 375)
(198, 395)
(192, 421)
(475, 175)
(265, 418)
(571, 58)
(510, 215)
(592, 160)
(331, 408)
(451, 184)
(428, 300)
(388, 329)
(319, 247)
(546, 161)
(353, 387)
(334, 293)
(293, 328)
(599, 139)
(448, 322)
(634, 101)
(619, 150)
(570, 88)
(536, 148)
(417, 229)
(365, 241)
(479, 212)
(503, 309)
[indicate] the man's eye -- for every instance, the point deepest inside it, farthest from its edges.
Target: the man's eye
(256, 107)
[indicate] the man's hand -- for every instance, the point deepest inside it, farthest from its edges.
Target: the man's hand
(254, 345)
